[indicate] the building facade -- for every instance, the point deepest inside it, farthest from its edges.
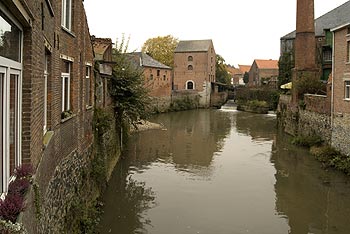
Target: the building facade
(263, 73)
(341, 89)
(46, 93)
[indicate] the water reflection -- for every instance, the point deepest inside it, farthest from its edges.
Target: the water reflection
(314, 200)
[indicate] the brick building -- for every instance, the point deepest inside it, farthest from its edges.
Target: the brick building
(263, 72)
(157, 76)
(46, 86)
(341, 89)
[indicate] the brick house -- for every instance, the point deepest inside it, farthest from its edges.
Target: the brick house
(46, 85)
(194, 69)
(157, 76)
(263, 72)
(323, 24)
(341, 89)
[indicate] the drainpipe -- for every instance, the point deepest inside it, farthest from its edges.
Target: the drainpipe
(332, 95)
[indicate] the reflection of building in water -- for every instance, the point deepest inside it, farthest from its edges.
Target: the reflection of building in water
(314, 200)
(191, 139)
(257, 128)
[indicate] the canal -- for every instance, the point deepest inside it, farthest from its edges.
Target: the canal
(222, 172)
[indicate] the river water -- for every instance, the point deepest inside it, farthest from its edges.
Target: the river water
(222, 172)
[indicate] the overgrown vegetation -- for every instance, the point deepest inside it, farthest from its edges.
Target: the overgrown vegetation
(270, 96)
(307, 141)
(309, 83)
(285, 64)
(221, 73)
(185, 103)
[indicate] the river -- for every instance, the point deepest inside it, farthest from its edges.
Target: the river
(222, 172)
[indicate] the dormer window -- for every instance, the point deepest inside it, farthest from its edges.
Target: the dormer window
(67, 14)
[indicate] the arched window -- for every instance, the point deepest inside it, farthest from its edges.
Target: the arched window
(190, 67)
(189, 85)
(190, 58)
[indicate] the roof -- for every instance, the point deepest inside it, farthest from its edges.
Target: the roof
(233, 70)
(147, 61)
(330, 20)
(244, 68)
(100, 46)
(193, 46)
(266, 64)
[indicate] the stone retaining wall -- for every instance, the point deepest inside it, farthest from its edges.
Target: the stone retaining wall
(340, 133)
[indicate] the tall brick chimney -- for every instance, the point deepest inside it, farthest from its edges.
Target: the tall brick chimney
(305, 43)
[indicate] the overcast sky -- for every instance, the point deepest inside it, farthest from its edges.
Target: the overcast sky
(241, 30)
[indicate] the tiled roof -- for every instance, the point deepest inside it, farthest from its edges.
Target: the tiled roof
(193, 46)
(100, 46)
(266, 64)
(332, 19)
(233, 71)
(244, 68)
(147, 61)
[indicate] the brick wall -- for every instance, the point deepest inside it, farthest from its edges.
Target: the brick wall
(158, 85)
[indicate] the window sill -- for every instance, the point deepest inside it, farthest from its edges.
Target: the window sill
(346, 99)
(68, 31)
(68, 118)
(47, 138)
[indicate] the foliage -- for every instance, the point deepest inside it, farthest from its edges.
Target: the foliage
(126, 89)
(308, 83)
(271, 96)
(307, 141)
(19, 186)
(221, 71)
(161, 49)
(99, 170)
(286, 64)
(23, 170)
(185, 103)
(11, 207)
(102, 121)
(246, 77)
(7, 227)
(332, 158)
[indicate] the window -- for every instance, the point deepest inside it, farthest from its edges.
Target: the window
(158, 72)
(347, 90)
(348, 52)
(10, 97)
(190, 58)
(151, 77)
(67, 14)
(327, 55)
(46, 74)
(189, 85)
(190, 67)
(164, 77)
(88, 86)
(66, 79)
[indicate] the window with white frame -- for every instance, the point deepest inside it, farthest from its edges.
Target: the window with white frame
(46, 74)
(348, 52)
(88, 90)
(190, 85)
(66, 79)
(67, 14)
(347, 90)
(10, 96)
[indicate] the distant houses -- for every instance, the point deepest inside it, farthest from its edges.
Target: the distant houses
(263, 73)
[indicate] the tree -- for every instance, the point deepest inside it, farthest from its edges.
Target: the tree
(246, 78)
(221, 72)
(285, 64)
(129, 96)
(161, 49)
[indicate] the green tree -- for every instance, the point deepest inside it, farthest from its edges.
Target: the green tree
(221, 73)
(161, 49)
(285, 64)
(129, 96)
(246, 77)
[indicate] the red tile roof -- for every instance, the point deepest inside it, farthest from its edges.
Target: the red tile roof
(266, 64)
(244, 68)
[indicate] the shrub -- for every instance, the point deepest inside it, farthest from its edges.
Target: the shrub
(19, 186)
(307, 141)
(24, 170)
(11, 206)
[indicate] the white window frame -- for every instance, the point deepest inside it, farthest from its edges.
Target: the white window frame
(66, 14)
(66, 76)
(88, 80)
(347, 90)
(10, 67)
(194, 85)
(46, 74)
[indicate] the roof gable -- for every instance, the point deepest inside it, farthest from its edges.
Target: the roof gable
(193, 46)
(147, 61)
(266, 64)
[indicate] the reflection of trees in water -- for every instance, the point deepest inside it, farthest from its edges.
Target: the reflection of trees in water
(190, 140)
(125, 202)
(314, 200)
(256, 125)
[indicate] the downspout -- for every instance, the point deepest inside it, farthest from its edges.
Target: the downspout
(332, 95)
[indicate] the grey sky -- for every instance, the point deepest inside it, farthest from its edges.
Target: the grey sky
(241, 30)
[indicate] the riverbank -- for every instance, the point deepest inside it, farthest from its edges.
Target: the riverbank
(144, 125)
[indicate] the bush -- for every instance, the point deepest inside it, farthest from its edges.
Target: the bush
(11, 207)
(270, 96)
(19, 186)
(307, 141)
(24, 170)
